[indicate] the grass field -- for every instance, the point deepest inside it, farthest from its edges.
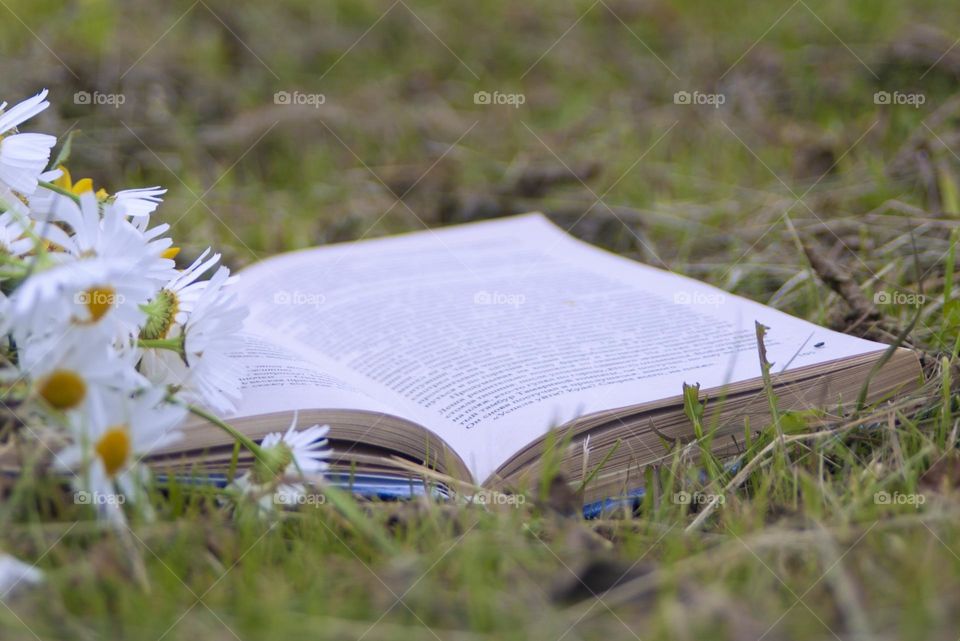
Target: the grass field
(825, 183)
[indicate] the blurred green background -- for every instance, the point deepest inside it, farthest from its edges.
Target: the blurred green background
(399, 141)
(221, 103)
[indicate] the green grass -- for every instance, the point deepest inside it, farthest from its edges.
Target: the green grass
(799, 153)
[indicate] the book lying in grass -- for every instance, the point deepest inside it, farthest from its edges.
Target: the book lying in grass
(462, 348)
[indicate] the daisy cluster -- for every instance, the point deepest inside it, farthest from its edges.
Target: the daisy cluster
(107, 344)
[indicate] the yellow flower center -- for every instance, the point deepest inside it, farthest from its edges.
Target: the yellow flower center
(113, 448)
(63, 389)
(170, 252)
(98, 301)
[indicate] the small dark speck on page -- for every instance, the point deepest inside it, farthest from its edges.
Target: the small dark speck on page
(820, 344)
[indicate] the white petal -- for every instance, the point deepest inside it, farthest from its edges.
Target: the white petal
(23, 158)
(23, 111)
(16, 574)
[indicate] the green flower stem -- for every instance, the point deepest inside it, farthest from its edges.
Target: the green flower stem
(173, 344)
(234, 460)
(243, 439)
(13, 272)
(10, 259)
(59, 190)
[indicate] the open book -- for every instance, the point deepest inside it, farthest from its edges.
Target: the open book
(461, 348)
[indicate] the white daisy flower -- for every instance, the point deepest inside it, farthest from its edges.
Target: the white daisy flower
(23, 157)
(94, 298)
(173, 304)
(98, 229)
(106, 271)
(167, 314)
(75, 374)
(110, 442)
(308, 454)
(129, 203)
(286, 460)
(203, 373)
(15, 574)
(307, 449)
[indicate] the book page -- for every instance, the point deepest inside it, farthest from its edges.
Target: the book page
(276, 378)
(491, 333)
